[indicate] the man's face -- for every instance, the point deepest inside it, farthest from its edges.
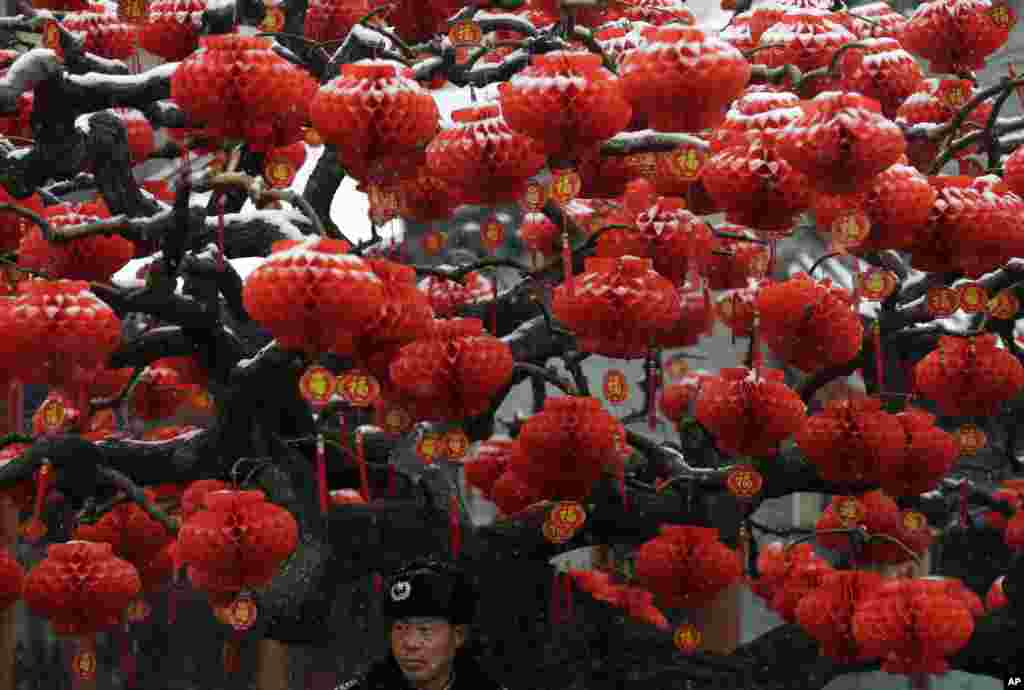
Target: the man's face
(425, 648)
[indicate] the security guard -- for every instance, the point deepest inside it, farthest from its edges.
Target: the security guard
(431, 605)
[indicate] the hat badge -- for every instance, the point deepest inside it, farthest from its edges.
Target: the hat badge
(401, 590)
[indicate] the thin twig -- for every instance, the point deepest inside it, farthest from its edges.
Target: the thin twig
(138, 496)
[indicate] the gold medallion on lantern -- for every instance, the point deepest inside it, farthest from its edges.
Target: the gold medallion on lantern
(53, 413)
(492, 234)
(138, 611)
(953, 93)
(677, 368)
(568, 514)
(397, 420)
(359, 389)
(942, 302)
(914, 521)
(465, 33)
(242, 613)
(973, 298)
(534, 197)
(33, 529)
(1004, 305)
(51, 36)
(83, 664)
(312, 137)
(273, 20)
(317, 385)
(556, 534)
(850, 511)
(433, 242)
(133, 11)
(383, 203)
(616, 388)
(850, 229)
(970, 439)
(877, 284)
(687, 638)
(565, 185)
(456, 444)
(1002, 15)
(201, 400)
(279, 172)
(685, 162)
(430, 447)
(744, 482)
(642, 164)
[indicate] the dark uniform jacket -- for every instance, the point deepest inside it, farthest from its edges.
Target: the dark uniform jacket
(386, 675)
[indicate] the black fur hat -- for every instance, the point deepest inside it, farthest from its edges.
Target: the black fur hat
(430, 588)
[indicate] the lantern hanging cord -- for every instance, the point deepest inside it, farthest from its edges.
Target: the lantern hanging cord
(137, 496)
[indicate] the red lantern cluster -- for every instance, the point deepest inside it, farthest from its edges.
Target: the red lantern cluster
(55, 328)
(806, 37)
(104, 33)
(809, 324)
(956, 36)
(376, 114)
(141, 140)
(676, 398)
(683, 78)
(841, 142)
(760, 110)
(330, 21)
(539, 234)
(827, 613)
(882, 71)
(172, 27)
(482, 157)
(91, 258)
(453, 372)
(566, 101)
(617, 307)
(81, 587)
(237, 543)
(488, 463)
(637, 602)
(787, 575)
(969, 376)
(1012, 492)
(696, 319)
(879, 515)
(239, 88)
(686, 566)
(12, 579)
(912, 626)
(928, 454)
(563, 450)
(749, 412)
(417, 20)
(193, 498)
(737, 261)
(852, 440)
(935, 103)
(882, 21)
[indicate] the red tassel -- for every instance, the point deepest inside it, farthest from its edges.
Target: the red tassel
(556, 608)
(392, 479)
(172, 603)
(567, 263)
(36, 528)
(321, 474)
(879, 359)
(231, 655)
(454, 526)
(378, 583)
(128, 667)
(220, 234)
(652, 386)
(622, 489)
(15, 407)
(83, 661)
(361, 460)
(494, 307)
(963, 503)
(568, 598)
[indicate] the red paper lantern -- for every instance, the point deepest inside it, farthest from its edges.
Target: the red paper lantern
(81, 587)
(882, 71)
(758, 111)
(23, 493)
(884, 21)
(749, 412)
(936, 102)
(969, 376)
(141, 140)
(853, 440)
(490, 460)
(912, 625)
(683, 78)
(172, 27)
(956, 36)
(92, 258)
(12, 579)
(806, 37)
(329, 21)
(841, 142)
(239, 88)
(738, 261)
(929, 453)
(675, 399)
(827, 613)
(996, 597)
(104, 33)
(566, 446)
(239, 542)
(131, 532)
(454, 372)
(686, 567)
(376, 114)
(448, 295)
(192, 499)
(616, 307)
(483, 157)
(809, 324)
(566, 101)
(540, 235)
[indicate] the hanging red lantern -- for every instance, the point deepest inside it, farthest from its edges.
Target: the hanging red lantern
(375, 114)
(827, 613)
(929, 453)
(683, 78)
(105, 34)
(446, 295)
(239, 542)
(686, 567)
(853, 440)
(758, 111)
(171, 30)
(882, 70)
(969, 376)
(488, 463)
(616, 307)
(936, 102)
(141, 139)
(192, 499)
(734, 262)
(912, 625)
(565, 121)
(483, 157)
(92, 258)
(131, 532)
(241, 89)
(937, 31)
(331, 21)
